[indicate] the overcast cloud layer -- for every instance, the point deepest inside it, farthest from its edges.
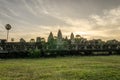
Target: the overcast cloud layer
(32, 18)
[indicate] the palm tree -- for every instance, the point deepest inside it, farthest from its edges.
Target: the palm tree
(12, 39)
(8, 27)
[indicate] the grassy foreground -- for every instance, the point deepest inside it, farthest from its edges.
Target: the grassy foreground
(65, 68)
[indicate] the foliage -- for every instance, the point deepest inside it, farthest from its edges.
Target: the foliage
(34, 53)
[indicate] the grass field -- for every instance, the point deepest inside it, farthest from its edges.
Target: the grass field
(61, 68)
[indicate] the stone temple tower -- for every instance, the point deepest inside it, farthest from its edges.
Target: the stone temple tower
(59, 35)
(72, 36)
(50, 37)
(59, 40)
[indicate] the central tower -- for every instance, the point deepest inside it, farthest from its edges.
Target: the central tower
(59, 40)
(59, 35)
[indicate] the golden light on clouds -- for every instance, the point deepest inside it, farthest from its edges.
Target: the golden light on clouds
(91, 19)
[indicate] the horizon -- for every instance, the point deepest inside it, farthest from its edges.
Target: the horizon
(92, 19)
(63, 37)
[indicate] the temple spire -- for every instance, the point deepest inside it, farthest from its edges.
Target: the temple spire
(59, 34)
(50, 37)
(72, 36)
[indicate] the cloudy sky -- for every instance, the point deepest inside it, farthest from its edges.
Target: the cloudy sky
(91, 19)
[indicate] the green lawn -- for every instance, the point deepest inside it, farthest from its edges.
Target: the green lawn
(62, 68)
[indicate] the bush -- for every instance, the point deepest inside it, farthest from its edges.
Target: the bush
(34, 53)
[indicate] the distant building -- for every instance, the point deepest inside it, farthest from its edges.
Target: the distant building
(3, 40)
(59, 40)
(66, 38)
(59, 35)
(38, 39)
(72, 38)
(50, 37)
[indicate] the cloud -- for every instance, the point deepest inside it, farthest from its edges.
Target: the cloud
(109, 23)
(30, 7)
(110, 19)
(37, 18)
(95, 27)
(105, 26)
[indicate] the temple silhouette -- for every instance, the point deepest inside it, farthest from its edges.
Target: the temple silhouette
(57, 45)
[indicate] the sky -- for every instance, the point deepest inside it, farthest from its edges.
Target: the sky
(92, 19)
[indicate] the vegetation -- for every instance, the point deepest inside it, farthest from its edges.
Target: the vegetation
(35, 53)
(66, 68)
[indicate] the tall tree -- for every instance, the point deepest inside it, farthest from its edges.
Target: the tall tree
(8, 27)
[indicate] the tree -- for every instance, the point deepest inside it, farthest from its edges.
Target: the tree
(112, 44)
(8, 27)
(22, 40)
(32, 40)
(12, 39)
(78, 36)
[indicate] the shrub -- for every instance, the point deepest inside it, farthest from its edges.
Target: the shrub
(34, 53)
